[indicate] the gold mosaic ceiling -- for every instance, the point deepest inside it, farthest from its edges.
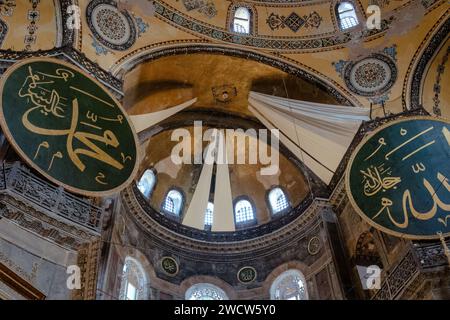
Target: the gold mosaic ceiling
(217, 81)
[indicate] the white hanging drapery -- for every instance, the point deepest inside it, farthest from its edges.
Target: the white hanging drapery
(318, 134)
(142, 122)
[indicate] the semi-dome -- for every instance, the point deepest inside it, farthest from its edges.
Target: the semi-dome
(224, 150)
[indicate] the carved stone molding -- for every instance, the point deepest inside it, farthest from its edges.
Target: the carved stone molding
(233, 242)
(88, 260)
(21, 213)
(67, 234)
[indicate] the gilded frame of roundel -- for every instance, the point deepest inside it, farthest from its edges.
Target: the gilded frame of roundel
(352, 200)
(25, 157)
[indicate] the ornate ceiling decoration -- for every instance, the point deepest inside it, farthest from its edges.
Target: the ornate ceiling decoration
(112, 27)
(167, 13)
(370, 76)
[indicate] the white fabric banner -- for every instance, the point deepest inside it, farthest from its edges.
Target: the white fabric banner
(195, 215)
(318, 134)
(142, 122)
(223, 199)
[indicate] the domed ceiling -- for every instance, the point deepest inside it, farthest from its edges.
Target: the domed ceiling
(155, 55)
(221, 85)
(303, 35)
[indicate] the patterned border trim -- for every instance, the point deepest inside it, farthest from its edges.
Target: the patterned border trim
(435, 43)
(60, 232)
(184, 237)
(20, 285)
(178, 19)
(3, 31)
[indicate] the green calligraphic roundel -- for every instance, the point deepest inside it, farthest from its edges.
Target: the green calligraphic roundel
(246, 274)
(66, 125)
(398, 179)
(169, 265)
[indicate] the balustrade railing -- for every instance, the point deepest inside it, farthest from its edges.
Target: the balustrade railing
(420, 258)
(20, 182)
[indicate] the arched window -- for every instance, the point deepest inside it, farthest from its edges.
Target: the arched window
(147, 183)
(347, 15)
(134, 282)
(209, 214)
(242, 20)
(277, 200)
(243, 211)
(290, 285)
(173, 202)
(205, 291)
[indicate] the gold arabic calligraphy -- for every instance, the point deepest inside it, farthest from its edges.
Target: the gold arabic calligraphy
(37, 89)
(377, 179)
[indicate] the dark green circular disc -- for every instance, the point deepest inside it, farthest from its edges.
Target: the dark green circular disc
(398, 179)
(67, 126)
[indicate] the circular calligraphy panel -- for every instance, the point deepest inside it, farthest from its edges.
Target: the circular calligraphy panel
(169, 266)
(246, 275)
(398, 178)
(68, 127)
(314, 245)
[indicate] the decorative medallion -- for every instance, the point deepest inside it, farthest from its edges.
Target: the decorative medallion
(398, 178)
(371, 76)
(224, 93)
(246, 275)
(113, 28)
(68, 127)
(314, 245)
(170, 266)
